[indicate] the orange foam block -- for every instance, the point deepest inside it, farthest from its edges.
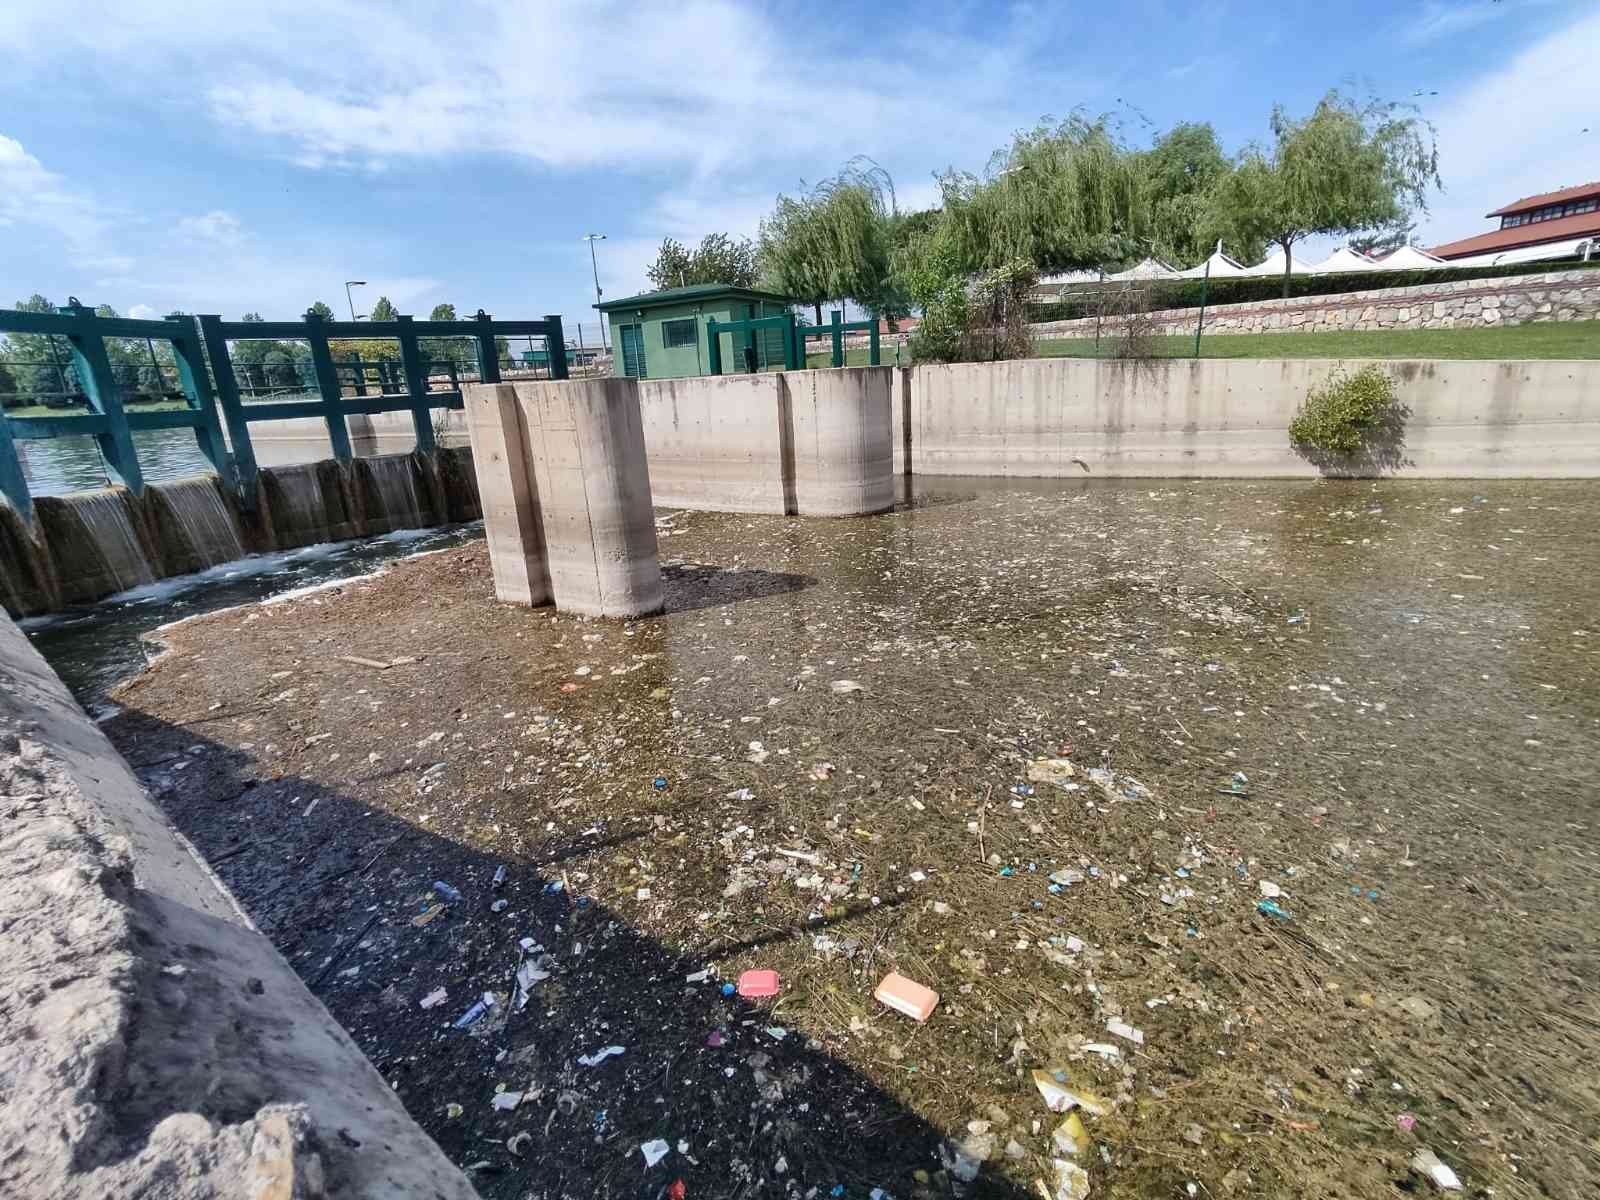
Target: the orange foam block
(905, 996)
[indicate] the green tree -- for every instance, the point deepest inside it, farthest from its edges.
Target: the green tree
(319, 309)
(1346, 168)
(40, 366)
(1180, 173)
(383, 310)
(1060, 196)
(443, 312)
(1380, 242)
(833, 242)
(718, 259)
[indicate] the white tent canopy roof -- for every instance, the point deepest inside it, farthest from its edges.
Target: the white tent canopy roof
(1573, 246)
(1273, 265)
(1221, 266)
(1342, 260)
(1409, 258)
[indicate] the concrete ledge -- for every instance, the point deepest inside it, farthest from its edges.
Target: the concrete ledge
(715, 443)
(152, 1041)
(1229, 418)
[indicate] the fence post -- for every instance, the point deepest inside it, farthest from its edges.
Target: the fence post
(13, 483)
(713, 348)
(196, 386)
(94, 372)
(360, 380)
(328, 385)
(416, 386)
(874, 356)
(488, 352)
(555, 347)
(244, 454)
(836, 330)
(794, 351)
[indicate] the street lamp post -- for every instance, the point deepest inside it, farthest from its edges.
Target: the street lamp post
(348, 284)
(592, 238)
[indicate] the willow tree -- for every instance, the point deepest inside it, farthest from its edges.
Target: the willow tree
(1346, 168)
(1060, 196)
(834, 241)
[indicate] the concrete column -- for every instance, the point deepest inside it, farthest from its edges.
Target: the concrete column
(586, 445)
(512, 521)
(841, 430)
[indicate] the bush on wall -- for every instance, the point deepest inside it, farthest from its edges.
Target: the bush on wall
(1353, 424)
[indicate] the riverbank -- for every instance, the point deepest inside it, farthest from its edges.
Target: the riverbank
(1374, 704)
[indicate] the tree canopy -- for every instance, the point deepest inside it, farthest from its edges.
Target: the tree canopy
(833, 242)
(383, 310)
(443, 312)
(1345, 168)
(319, 309)
(718, 259)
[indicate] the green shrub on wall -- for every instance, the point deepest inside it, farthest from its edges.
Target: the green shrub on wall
(1353, 424)
(1185, 293)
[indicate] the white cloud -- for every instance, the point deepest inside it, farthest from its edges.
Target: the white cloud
(33, 197)
(1439, 19)
(217, 227)
(142, 312)
(1515, 131)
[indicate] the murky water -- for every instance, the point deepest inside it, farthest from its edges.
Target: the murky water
(1380, 699)
(93, 646)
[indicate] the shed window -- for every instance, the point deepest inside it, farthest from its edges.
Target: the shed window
(678, 333)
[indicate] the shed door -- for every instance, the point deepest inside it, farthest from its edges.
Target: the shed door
(633, 363)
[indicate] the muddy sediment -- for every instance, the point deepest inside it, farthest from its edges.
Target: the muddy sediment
(1370, 708)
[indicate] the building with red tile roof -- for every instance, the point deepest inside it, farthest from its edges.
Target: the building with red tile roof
(1559, 216)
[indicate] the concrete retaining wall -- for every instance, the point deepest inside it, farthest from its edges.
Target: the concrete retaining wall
(1230, 417)
(152, 1041)
(811, 443)
(1462, 304)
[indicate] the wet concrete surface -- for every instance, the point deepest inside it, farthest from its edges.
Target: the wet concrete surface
(1373, 705)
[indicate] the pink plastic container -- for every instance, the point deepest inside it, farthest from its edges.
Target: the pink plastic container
(905, 996)
(756, 984)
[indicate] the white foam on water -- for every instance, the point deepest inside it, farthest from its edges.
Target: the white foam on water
(326, 585)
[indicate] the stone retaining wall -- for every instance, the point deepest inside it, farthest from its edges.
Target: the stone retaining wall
(1464, 304)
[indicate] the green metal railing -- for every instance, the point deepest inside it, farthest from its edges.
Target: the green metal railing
(207, 385)
(750, 329)
(835, 331)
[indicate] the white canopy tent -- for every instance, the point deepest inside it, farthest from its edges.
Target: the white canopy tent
(1222, 267)
(1273, 265)
(1149, 268)
(1584, 248)
(1409, 258)
(1342, 261)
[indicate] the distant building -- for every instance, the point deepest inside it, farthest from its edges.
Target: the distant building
(662, 335)
(1554, 225)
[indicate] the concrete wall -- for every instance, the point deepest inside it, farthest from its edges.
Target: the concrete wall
(1229, 417)
(1462, 304)
(812, 443)
(152, 1041)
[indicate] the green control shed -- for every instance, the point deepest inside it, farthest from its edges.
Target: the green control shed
(662, 335)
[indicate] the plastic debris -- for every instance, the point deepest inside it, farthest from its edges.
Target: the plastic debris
(1065, 877)
(448, 892)
(776, 1032)
(1060, 1098)
(1058, 771)
(1125, 1031)
(822, 770)
(452, 1111)
(1427, 1163)
(427, 914)
(906, 996)
(679, 1189)
(699, 976)
(1269, 889)
(476, 1011)
(660, 784)
(756, 984)
(518, 1143)
(1070, 1137)
(499, 906)
(507, 1101)
(842, 687)
(599, 1056)
(1072, 1181)
(1103, 1049)
(1406, 1122)
(437, 996)
(499, 876)
(743, 793)
(654, 1151)
(1270, 907)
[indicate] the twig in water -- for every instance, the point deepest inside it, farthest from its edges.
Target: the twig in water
(339, 954)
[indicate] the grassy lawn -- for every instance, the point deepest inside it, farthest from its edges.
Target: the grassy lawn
(1549, 339)
(857, 356)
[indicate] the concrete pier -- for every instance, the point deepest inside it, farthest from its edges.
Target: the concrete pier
(840, 457)
(512, 521)
(586, 449)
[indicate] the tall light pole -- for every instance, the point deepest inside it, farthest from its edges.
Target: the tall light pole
(348, 284)
(592, 238)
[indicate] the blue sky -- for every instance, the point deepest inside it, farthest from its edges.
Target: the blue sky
(222, 157)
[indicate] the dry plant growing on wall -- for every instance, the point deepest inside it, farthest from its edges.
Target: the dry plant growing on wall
(1129, 326)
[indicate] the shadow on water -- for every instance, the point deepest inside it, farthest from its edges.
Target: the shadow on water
(689, 586)
(337, 884)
